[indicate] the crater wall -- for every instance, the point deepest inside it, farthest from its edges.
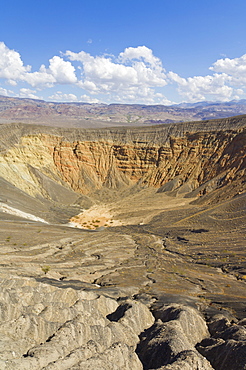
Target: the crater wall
(89, 160)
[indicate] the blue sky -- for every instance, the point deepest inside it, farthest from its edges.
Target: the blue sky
(131, 51)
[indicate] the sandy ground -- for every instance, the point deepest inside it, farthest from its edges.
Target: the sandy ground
(184, 249)
(138, 208)
(95, 217)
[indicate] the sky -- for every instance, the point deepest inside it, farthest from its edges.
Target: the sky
(123, 51)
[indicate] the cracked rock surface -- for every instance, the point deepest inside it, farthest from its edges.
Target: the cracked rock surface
(170, 342)
(44, 327)
(226, 349)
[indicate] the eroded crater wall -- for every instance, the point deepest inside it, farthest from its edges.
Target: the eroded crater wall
(85, 165)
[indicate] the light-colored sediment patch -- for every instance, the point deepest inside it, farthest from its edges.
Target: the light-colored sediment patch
(16, 212)
(136, 209)
(95, 217)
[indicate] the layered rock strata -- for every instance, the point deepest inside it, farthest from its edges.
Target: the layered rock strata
(174, 163)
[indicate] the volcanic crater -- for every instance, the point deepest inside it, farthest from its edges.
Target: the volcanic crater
(123, 233)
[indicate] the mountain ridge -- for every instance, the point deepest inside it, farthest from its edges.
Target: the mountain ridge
(79, 114)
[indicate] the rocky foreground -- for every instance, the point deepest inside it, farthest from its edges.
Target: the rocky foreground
(155, 278)
(45, 327)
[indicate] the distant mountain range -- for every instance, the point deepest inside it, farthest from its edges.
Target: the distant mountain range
(103, 115)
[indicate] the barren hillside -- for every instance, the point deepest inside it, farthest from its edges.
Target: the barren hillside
(34, 111)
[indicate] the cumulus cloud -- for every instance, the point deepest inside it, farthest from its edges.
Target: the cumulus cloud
(11, 65)
(12, 69)
(140, 53)
(28, 93)
(200, 88)
(63, 72)
(58, 72)
(235, 69)
(227, 82)
(136, 75)
(133, 75)
(40, 78)
(88, 99)
(59, 96)
(4, 92)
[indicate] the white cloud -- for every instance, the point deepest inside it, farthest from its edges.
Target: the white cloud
(239, 91)
(12, 82)
(229, 74)
(88, 99)
(40, 79)
(234, 68)
(58, 72)
(13, 70)
(136, 75)
(28, 93)
(140, 53)
(63, 72)
(3, 91)
(11, 65)
(200, 88)
(230, 66)
(59, 96)
(136, 79)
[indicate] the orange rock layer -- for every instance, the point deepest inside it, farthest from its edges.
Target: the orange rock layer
(193, 159)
